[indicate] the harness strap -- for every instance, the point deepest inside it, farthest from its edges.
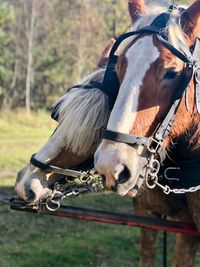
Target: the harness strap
(123, 138)
(187, 58)
(54, 169)
(197, 75)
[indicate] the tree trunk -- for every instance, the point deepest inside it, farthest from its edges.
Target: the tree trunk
(30, 56)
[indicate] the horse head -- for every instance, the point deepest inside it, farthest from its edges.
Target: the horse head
(80, 113)
(153, 69)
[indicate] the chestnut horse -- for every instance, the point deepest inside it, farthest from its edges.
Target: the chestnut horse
(155, 70)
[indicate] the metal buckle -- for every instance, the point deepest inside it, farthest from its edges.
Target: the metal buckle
(171, 178)
(153, 145)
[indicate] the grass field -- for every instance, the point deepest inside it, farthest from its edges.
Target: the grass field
(28, 240)
(20, 136)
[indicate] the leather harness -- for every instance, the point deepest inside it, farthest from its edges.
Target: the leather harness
(110, 87)
(176, 175)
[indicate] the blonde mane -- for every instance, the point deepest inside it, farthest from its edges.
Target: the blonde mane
(82, 113)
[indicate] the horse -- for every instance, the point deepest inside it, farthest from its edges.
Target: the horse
(70, 145)
(155, 121)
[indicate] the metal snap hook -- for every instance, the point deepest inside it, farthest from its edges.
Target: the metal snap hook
(167, 190)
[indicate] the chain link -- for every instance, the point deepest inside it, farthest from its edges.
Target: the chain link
(167, 190)
(152, 180)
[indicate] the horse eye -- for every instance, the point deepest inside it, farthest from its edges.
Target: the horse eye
(170, 75)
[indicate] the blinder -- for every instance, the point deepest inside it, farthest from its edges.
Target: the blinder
(110, 87)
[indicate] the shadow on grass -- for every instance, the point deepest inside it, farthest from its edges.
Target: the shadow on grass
(29, 240)
(6, 193)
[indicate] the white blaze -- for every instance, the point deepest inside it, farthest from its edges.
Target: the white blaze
(140, 56)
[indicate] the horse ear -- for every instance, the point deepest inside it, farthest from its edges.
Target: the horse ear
(136, 8)
(190, 20)
(103, 60)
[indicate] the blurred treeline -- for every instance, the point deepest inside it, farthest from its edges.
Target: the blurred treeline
(48, 45)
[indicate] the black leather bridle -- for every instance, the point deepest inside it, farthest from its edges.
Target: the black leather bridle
(154, 143)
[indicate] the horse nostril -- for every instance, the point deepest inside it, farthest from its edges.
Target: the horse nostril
(30, 195)
(124, 175)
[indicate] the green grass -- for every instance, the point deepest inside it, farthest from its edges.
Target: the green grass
(20, 136)
(29, 240)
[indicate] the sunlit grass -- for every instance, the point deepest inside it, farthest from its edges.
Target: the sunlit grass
(21, 135)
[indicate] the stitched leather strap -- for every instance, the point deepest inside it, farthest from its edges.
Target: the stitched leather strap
(123, 138)
(50, 168)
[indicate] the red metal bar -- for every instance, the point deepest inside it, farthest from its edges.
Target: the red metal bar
(117, 218)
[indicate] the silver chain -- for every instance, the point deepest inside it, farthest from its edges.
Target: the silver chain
(88, 182)
(167, 190)
(151, 178)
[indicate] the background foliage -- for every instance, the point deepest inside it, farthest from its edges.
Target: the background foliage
(46, 46)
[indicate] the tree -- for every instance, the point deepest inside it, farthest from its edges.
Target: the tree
(30, 37)
(46, 46)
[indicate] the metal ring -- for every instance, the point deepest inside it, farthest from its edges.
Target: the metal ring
(154, 167)
(56, 205)
(153, 180)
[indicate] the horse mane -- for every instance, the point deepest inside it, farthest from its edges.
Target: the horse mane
(82, 113)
